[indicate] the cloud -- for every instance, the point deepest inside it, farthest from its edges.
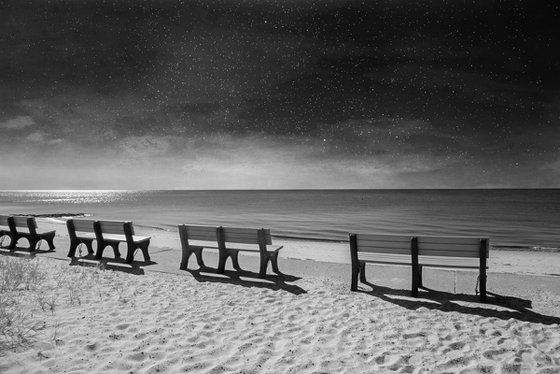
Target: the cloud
(17, 123)
(36, 137)
(39, 137)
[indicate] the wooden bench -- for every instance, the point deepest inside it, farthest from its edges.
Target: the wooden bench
(80, 231)
(417, 252)
(111, 233)
(6, 228)
(229, 241)
(26, 227)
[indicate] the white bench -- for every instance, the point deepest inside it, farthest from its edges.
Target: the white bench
(417, 252)
(229, 241)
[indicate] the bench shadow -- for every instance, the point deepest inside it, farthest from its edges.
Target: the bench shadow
(239, 277)
(516, 308)
(117, 264)
(23, 252)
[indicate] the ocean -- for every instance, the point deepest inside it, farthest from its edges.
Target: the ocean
(522, 219)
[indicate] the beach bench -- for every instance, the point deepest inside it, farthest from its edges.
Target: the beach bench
(229, 241)
(80, 231)
(26, 227)
(112, 233)
(188, 233)
(417, 252)
(6, 228)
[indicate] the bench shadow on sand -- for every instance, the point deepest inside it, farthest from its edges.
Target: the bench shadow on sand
(247, 278)
(509, 306)
(117, 264)
(23, 252)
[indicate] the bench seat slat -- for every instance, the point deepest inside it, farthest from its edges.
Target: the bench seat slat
(269, 248)
(384, 238)
(449, 253)
(396, 251)
(122, 238)
(384, 258)
(430, 261)
(456, 240)
(456, 262)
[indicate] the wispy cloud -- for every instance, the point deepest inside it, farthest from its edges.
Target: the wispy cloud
(17, 123)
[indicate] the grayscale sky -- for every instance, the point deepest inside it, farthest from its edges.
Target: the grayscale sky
(214, 94)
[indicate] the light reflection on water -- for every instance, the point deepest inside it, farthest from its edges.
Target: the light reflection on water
(68, 196)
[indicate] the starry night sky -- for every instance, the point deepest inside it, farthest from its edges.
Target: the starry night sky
(218, 94)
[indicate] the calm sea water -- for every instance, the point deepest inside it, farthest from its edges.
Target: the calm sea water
(528, 219)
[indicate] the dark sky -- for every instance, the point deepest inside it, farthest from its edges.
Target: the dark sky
(279, 94)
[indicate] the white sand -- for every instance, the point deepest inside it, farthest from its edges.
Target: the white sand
(109, 321)
(308, 322)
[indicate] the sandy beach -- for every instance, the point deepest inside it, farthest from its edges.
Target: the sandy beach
(153, 317)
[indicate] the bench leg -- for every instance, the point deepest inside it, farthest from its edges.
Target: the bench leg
(115, 247)
(89, 246)
(130, 254)
(132, 248)
(274, 262)
(482, 288)
(50, 240)
(362, 270)
(235, 260)
(414, 281)
(73, 247)
(264, 265)
(13, 242)
(420, 282)
(355, 273)
(186, 254)
(198, 254)
(222, 262)
(99, 252)
(144, 248)
(33, 240)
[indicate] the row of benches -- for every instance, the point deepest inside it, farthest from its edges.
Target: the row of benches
(229, 241)
(413, 251)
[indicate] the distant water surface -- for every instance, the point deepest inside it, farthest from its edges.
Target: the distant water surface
(523, 219)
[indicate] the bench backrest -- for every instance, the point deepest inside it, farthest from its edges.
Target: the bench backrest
(205, 233)
(22, 221)
(4, 220)
(83, 225)
(452, 246)
(245, 235)
(113, 227)
(440, 246)
(377, 243)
